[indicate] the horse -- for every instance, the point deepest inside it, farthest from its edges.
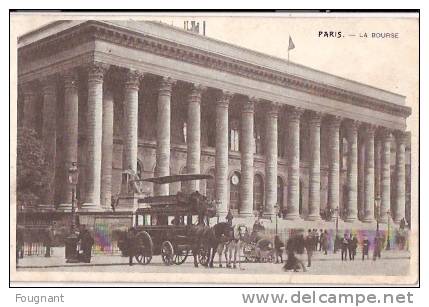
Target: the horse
(224, 234)
(238, 236)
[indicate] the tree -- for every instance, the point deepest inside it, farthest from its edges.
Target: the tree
(32, 171)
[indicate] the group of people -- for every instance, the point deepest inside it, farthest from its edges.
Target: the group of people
(349, 244)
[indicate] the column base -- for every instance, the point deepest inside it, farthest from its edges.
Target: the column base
(293, 217)
(90, 207)
(397, 221)
(351, 219)
(246, 214)
(368, 219)
(65, 207)
(313, 218)
(382, 220)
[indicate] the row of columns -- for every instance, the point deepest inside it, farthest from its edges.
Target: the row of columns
(99, 136)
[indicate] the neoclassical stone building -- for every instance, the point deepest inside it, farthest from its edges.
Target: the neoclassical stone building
(146, 96)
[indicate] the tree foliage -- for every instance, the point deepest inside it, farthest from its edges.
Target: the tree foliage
(32, 171)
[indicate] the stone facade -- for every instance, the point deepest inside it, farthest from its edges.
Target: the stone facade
(140, 103)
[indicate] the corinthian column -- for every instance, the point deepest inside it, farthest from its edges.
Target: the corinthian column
(193, 139)
(386, 139)
(352, 171)
(294, 115)
(271, 158)
(399, 209)
(49, 134)
(314, 187)
(131, 103)
(369, 175)
(29, 94)
(107, 150)
(334, 163)
(247, 150)
(94, 136)
(70, 137)
(221, 158)
(163, 135)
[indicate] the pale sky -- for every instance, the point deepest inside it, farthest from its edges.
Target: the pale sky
(390, 64)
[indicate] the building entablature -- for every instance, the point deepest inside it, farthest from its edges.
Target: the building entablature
(156, 48)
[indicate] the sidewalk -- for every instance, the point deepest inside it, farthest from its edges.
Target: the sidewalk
(58, 259)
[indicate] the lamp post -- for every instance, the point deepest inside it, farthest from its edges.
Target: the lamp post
(71, 240)
(388, 231)
(337, 213)
(73, 178)
(277, 210)
(377, 201)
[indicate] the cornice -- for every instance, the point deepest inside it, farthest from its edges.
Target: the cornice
(94, 30)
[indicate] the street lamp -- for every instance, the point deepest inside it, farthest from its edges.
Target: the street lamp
(388, 231)
(377, 201)
(73, 179)
(337, 213)
(71, 240)
(277, 210)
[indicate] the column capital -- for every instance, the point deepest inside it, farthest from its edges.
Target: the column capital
(334, 121)
(384, 133)
(369, 129)
(48, 84)
(400, 136)
(315, 117)
(28, 88)
(196, 92)
(294, 113)
(96, 71)
(248, 106)
(351, 126)
(166, 86)
(132, 79)
(273, 109)
(70, 79)
(224, 98)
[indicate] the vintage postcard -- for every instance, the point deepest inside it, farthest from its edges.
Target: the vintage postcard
(275, 148)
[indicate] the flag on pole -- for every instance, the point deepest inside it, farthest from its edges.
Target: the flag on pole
(291, 44)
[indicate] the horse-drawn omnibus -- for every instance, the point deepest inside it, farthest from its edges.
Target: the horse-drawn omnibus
(163, 223)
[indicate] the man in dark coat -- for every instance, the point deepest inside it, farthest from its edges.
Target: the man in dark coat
(309, 246)
(365, 248)
(48, 241)
(278, 245)
(229, 217)
(344, 248)
(352, 247)
(132, 244)
(86, 243)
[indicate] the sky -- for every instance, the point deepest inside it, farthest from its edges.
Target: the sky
(387, 63)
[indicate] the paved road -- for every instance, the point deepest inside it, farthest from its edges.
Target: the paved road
(394, 263)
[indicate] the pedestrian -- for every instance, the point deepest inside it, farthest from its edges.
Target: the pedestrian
(295, 250)
(324, 242)
(229, 217)
(48, 240)
(19, 243)
(344, 247)
(86, 243)
(132, 244)
(316, 239)
(351, 247)
(354, 246)
(309, 246)
(278, 246)
(377, 248)
(365, 248)
(320, 240)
